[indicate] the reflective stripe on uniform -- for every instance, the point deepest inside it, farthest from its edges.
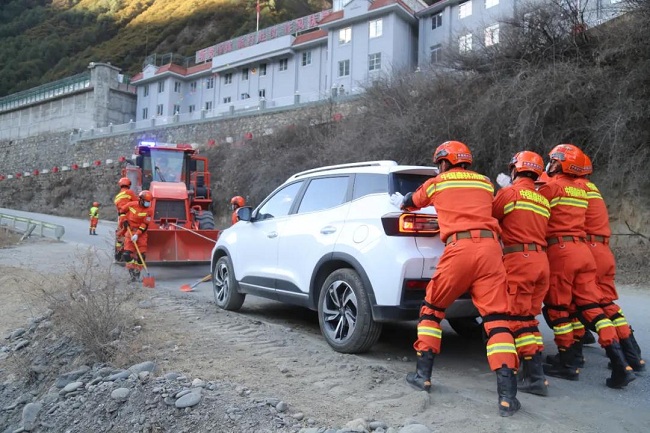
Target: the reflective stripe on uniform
(430, 331)
(569, 201)
(493, 349)
(519, 205)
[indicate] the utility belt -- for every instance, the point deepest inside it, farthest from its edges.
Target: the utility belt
(598, 238)
(520, 248)
(470, 234)
(564, 239)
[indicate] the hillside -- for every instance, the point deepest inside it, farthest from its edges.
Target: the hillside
(50, 39)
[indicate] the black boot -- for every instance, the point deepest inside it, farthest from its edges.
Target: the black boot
(563, 365)
(631, 355)
(530, 377)
(622, 373)
(421, 379)
(507, 390)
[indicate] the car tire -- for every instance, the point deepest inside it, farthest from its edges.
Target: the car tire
(468, 327)
(344, 313)
(225, 287)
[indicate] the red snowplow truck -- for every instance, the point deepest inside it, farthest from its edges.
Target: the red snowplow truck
(182, 230)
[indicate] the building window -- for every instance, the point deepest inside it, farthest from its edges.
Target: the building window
(209, 83)
(491, 3)
(376, 28)
(263, 69)
(465, 43)
(436, 53)
(344, 68)
(177, 108)
(193, 86)
(145, 113)
(227, 100)
(262, 93)
(345, 35)
(159, 110)
(227, 79)
(177, 86)
(161, 86)
(374, 62)
(208, 106)
(146, 90)
(492, 35)
(306, 58)
(436, 21)
(465, 9)
(284, 64)
(192, 108)
(244, 74)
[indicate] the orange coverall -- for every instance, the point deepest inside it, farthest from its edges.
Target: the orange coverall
(139, 218)
(523, 214)
(598, 234)
(573, 269)
(471, 262)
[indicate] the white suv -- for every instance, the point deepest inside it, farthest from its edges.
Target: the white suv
(329, 239)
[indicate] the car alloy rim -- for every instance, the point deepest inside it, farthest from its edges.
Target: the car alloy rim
(340, 311)
(220, 284)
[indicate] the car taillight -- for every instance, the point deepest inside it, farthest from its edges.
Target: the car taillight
(410, 224)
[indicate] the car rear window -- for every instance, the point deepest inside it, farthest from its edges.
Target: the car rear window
(407, 182)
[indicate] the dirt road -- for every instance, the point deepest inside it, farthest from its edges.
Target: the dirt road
(272, 347)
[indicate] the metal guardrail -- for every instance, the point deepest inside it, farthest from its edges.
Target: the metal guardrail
(29, 226)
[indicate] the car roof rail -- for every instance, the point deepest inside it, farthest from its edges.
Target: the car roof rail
(383, 163)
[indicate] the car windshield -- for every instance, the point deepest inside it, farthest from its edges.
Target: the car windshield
(407, 182)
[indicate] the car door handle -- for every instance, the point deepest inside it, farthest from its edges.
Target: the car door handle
(272, 235)
(327, 230)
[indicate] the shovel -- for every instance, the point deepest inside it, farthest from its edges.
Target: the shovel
(148, 280)
(190, 288)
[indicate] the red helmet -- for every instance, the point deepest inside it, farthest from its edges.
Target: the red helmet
(570, 157)
(588, 168)
(453, 151)
(95, 204)
(145, 195)
(527, 161)
(238, 200)
(125, 181)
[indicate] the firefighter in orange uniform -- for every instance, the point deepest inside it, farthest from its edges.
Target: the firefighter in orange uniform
(94, 218)
(123, 197)
(523, 214)
(598, 234)
(135, 224)
(573, 272)
(471, 262)
(235, 203)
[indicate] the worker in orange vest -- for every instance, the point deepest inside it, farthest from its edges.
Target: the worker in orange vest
(235, 203)
(471, 262)
(523, 214)
(123, 197)
(598, 234)
(573, 272)
(94, 218)
(138, 215)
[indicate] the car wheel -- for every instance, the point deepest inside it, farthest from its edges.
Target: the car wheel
(468, 327)
(344, 313)
(225, 286)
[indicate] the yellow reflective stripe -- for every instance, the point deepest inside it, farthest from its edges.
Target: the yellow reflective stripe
(495, 348)
(620, 321)
(463, 184)
(525, 341)
(430, 331)
(603, 323)
(564, 329)
(569, 201)
(523, 205)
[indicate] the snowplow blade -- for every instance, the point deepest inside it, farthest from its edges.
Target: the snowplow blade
(180, 246)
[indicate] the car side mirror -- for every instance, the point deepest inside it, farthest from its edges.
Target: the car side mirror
(244, 213)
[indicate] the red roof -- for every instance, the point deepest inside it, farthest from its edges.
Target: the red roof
(311, 36)
(332, 17)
